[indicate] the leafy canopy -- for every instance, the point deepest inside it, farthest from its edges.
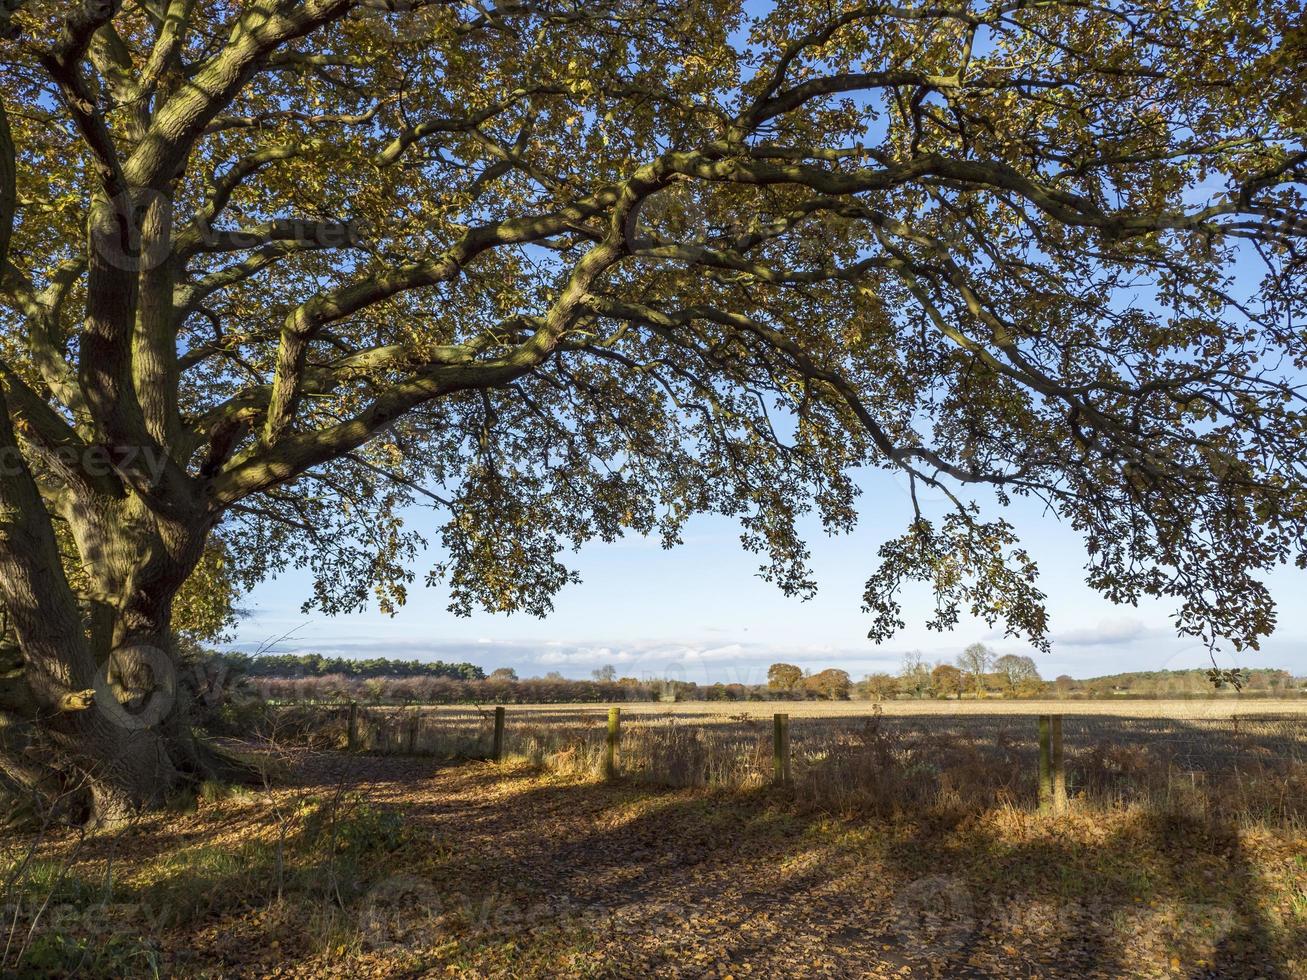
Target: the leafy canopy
(570, 270)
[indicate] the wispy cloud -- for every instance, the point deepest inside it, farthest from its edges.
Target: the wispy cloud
(1108, 632)
(709, 660)
(713, 654)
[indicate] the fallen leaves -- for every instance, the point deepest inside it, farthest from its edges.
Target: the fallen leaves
(510, 872)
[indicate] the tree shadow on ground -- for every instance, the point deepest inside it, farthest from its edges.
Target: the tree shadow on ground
(759, 884)
(669, 877)
(763, 883)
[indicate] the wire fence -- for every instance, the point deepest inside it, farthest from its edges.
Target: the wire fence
(1248, 761)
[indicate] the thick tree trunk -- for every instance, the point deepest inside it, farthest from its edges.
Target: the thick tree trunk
(97, 753)
(91, 715)
(92, 757)
(135, 745)
(92, 719)
(125, 770)
(114, 751)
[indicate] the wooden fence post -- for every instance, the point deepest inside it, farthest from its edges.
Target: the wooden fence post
(353, 736)
(781, 749)
(1045, 766)
(498, 752)
(1059, 769)
(614, 732)
(413, 733)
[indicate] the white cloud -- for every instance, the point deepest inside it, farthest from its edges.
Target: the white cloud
(1108, 632)
(1114, 644)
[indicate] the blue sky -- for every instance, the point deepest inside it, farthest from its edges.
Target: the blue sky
(700, 613)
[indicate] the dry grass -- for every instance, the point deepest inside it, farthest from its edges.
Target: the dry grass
(1246, 766)
(393, 866)
(908, 845)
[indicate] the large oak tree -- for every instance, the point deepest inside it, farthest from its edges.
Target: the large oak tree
(273, 271)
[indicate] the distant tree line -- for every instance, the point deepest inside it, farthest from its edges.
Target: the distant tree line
(315, 665)
(976, 673)
(501, 687)
(1268, 681)
(980, 673)
(441, 690)
(787, 680)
